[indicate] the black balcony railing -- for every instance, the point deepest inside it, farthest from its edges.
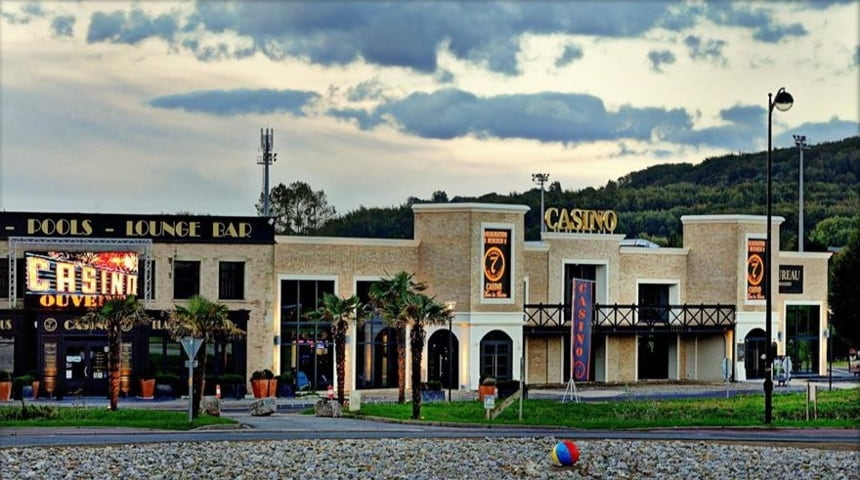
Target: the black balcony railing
(636, 318)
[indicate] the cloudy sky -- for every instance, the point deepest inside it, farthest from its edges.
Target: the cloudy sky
(154, 106)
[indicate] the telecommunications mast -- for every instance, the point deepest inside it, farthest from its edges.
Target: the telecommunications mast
(267, 142)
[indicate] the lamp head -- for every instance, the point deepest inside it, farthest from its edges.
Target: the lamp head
(783, 100)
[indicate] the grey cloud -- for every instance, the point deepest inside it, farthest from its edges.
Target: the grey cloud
(820, 132)
(33, 8)
(566, 118)
(765, 27)
(570, 54)
(749, 115)
(659, 58)
(856, 59)
(24, 14)
(63, 26)
(238, 102)
(365, 120)
(131, 28)
(369, 90)
(408, 34)
(775, 33)
(708, 50)
(546, 117)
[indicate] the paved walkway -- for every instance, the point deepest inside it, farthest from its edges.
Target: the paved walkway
(586, 392)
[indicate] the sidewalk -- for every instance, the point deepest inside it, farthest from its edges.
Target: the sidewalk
(586, 392)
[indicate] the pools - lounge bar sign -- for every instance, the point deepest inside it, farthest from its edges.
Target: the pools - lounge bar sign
(576, 220)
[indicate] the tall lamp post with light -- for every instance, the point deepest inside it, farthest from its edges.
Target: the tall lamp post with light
(782, 102)
(541, 179)
(450, 306)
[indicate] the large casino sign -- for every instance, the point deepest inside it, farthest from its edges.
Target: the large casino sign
(576, 220)
(80, 279)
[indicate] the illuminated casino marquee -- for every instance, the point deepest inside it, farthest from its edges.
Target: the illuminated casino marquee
(80, 279)
(576, 220)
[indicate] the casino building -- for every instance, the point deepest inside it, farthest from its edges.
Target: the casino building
(693, 313)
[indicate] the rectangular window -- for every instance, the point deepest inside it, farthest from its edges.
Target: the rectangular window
(305, 345)
(231, 280)
(186, 279)
(653, 303)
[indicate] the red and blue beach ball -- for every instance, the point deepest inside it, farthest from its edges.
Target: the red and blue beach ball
(564, 454)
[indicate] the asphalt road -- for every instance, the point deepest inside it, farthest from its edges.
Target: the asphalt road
(292, 426)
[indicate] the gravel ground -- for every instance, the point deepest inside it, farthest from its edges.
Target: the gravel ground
(426, 459)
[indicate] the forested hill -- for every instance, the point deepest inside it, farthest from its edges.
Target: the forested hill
(650, 202)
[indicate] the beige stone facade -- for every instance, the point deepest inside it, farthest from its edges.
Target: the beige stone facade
(654, 307)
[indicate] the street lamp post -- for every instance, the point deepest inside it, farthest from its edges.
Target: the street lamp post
(450, 307)
(782, 102)
(800, 141)
(541, 179)
(827, 335)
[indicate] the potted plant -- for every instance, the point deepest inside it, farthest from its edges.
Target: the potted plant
(259, 384)
(5, 386)
(147, 384)
(272, 390)
(23, 386)
(487, 387)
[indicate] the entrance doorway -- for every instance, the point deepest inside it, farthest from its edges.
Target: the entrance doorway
(755, 353)
(441, 366)
(86, 367)
(653, 357)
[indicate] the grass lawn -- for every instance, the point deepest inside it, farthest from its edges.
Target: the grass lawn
(839, 408)
(51, 416)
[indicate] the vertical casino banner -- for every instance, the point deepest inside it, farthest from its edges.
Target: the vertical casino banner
(580, 329)
(497, 263)
(755, 268)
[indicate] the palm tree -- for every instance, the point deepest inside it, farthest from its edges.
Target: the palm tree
(116, 315)
(421, 311)
(388, 299)
(338, 312)
(207, 320)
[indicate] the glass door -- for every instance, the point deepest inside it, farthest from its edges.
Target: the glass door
(86, 370)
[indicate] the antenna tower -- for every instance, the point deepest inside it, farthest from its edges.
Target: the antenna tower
(267, 142)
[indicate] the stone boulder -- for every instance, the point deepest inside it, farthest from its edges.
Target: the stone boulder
(328, 408)
(211, 406)
(263, 407)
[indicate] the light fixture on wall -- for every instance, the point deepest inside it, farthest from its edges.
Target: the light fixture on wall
(277, 340)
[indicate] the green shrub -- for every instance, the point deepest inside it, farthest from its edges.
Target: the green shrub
(23, 380)
(258, 375)
(232, 379)
(28, 412)
(5, 376)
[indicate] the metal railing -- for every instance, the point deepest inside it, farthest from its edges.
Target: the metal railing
(637, 318)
